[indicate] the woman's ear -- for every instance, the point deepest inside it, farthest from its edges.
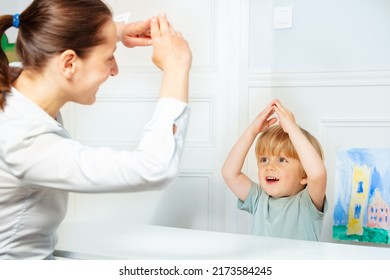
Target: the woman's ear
(68, 63)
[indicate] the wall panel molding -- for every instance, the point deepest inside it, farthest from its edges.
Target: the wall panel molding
(342, 122)
(202, 110)
(319, 79)
(365, 126)
(187, 202)
(208, 175)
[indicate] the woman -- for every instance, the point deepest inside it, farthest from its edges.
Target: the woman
(67, 51)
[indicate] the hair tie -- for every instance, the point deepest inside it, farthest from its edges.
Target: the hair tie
(15, 22)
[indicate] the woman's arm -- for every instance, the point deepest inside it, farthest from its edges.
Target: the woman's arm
(173, 56)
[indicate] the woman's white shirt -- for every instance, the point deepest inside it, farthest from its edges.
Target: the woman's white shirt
(40, 164)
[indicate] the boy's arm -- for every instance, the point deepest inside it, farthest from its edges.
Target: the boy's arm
(237, 181)
(311, 161)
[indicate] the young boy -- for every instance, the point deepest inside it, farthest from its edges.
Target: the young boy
(289, 201)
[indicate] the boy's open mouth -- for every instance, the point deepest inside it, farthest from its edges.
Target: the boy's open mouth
(271, 179)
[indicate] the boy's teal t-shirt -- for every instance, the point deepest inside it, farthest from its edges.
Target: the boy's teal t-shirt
(293, 217)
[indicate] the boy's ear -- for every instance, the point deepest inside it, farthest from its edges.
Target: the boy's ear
(303, 180)
(67, 62)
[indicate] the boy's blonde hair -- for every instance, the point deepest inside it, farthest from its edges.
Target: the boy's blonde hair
(274, 141)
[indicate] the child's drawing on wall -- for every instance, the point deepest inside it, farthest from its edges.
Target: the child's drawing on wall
(9, 49)
(362, 201)
(8, 46)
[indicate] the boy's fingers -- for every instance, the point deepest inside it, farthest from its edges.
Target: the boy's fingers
(272, 121)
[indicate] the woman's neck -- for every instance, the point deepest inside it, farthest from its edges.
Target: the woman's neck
(40, 89)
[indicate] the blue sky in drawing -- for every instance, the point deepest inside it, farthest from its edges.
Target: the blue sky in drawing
(378, 159)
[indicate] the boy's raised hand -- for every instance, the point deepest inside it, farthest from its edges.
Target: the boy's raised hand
(286, 118)
(264, 120)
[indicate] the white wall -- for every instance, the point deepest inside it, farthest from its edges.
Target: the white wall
(13, 7)
(332, 69)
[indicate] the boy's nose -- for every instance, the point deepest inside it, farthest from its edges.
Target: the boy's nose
(270, 166)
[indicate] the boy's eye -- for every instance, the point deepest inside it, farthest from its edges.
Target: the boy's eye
(263, 160)
(282, 160)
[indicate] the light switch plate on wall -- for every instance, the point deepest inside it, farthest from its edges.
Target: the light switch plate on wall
(283, 17)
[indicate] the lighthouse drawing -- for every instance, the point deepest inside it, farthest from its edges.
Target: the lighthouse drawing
(361, 180)
(362, 195)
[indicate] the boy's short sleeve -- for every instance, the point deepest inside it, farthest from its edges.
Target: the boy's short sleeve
(250, 202)
(315, 213)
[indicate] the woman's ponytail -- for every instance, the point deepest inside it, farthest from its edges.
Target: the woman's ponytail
(6, 21)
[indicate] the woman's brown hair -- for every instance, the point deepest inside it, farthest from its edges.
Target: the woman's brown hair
(49, 27)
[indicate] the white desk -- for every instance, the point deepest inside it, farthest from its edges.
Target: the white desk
(95, 240)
